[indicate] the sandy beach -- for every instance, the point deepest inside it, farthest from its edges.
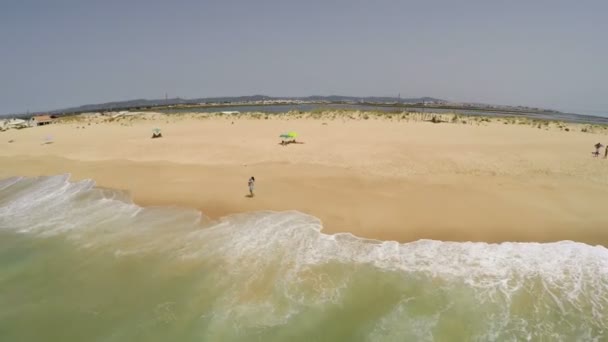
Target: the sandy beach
(391, 177)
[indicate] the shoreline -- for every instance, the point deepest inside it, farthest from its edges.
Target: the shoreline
(383, 179)
(390, 210)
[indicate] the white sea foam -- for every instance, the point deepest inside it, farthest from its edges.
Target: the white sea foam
(280, 257)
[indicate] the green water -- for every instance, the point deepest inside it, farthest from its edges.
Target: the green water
(52, 290)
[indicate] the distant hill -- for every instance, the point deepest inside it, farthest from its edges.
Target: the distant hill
(144, 103)
(379, 99)
(141, 104)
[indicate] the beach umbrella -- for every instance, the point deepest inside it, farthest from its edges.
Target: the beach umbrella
(292, 134)
(284, 136)
(156, 130)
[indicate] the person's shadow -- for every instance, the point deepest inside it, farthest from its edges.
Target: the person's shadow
(249, 196)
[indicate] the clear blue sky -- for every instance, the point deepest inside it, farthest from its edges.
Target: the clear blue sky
(55, 54)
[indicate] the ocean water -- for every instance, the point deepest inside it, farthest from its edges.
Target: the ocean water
(78, 263)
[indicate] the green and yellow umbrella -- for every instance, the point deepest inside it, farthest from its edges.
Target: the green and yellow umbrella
(290, 135)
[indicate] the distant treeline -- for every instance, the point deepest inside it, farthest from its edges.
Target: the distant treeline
(141, 104)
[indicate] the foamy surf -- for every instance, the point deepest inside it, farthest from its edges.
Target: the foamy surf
(276, 276)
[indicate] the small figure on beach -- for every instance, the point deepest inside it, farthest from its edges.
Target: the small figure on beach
(606, 152)
(156, 133)
(251, 185)
(597, 149)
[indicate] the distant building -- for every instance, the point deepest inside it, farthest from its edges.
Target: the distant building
(41, 120)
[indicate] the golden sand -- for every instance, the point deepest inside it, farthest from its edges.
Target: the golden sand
(397, 177)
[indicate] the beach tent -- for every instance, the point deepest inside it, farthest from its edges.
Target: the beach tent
(288, 138)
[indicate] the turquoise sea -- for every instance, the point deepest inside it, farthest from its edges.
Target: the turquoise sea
(79, 263)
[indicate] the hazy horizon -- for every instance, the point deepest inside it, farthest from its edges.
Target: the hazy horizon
(547, 54)
(594, 112)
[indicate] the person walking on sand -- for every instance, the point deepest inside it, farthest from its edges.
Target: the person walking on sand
(251, 185)
(597, 149)
(606, 152)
